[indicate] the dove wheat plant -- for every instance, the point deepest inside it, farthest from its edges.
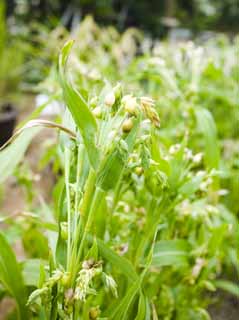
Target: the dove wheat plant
(136, 230)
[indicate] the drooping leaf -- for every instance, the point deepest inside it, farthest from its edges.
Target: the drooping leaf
(11, 156)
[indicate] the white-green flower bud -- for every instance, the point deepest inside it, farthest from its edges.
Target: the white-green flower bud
(97, 112)
(110, 99)
(130, 104)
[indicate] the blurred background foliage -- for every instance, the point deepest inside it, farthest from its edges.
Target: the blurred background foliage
(154, 16)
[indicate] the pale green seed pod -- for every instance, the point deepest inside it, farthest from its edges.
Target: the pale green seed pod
(127, 125)
(139, 171)
(94, 313)
(130, 104)
(110, 99)
(97, 112)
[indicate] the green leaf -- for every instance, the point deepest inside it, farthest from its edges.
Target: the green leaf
(11, 277)
(31, 272)
(111, 169)
(143, 308)
(61, 246)
(228, 286)
(121, 312)
(79, 109)
(113, 165)
(191, 186)
(11, 156)
(207, 127)
(170, 253)
(121, 263)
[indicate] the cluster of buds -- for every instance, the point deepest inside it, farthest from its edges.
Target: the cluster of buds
(188, 154)
(207, 181)
(195, 158)
(58, 277)
(110, 100)
(91, 269)
(196, 210)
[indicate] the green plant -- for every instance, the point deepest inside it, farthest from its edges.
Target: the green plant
(137, 230)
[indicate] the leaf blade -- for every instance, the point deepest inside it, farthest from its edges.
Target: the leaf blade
(79, 109)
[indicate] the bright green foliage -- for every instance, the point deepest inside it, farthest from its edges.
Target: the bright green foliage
(139, 228)
(11, 277)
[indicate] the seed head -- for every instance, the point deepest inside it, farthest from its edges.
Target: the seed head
(88, 264)
(147, 104)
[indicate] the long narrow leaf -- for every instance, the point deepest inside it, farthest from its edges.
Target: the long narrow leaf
(208, 128)
(78, 107)
(11, 277)
(228, 286)
(170, 253)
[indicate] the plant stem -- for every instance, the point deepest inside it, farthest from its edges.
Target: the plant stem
(96, 202)
(77, 191)
(68, 199)
(149, 230)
